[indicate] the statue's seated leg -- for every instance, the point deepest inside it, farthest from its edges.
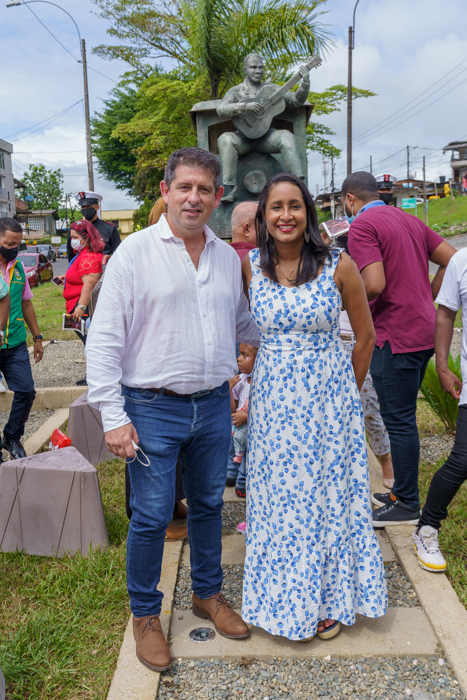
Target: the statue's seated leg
(231, 145)
(283, 142)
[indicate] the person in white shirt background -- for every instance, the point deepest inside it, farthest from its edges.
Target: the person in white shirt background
(450, 477)
(170, 310)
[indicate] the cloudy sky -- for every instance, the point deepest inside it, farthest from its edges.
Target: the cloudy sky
(408, 54)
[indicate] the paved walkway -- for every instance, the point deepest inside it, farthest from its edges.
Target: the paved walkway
(417, 650)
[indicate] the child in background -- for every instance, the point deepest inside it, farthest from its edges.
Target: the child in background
(239, 395)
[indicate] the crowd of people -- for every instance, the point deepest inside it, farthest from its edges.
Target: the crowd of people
(258, 364)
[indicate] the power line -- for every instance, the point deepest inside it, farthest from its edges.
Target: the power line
(104, 76)
(47, 124)
(38, 123)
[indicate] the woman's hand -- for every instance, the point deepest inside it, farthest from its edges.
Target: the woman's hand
(234, 381)
(239, 418)
(77, 313)
(61, 277)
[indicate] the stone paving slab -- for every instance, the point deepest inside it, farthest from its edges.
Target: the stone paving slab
(231, 497)
(439, 601)
(132, 680)
(402, 631)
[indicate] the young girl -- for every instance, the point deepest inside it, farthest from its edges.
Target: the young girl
(239, 396)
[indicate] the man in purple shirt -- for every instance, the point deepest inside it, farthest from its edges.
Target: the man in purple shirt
(392, 249)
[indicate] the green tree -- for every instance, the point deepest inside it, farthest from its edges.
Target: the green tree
(46, 186)
(209, 39)
(116, 158)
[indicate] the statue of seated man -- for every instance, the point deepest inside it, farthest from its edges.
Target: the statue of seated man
(233, 144)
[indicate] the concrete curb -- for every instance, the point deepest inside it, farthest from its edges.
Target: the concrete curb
(47, 398)
(41, 437)
(132, 680)
(445, 612)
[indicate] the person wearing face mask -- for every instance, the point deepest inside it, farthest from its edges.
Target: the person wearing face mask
(15, 363)
(89, 203)
(391, 250)
(83, 271)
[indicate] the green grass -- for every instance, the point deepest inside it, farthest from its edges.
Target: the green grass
(62, 620)
(49, 305)
(453, 534)
(443, 213)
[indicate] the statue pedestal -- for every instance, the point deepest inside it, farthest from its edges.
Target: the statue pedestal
(255, 168)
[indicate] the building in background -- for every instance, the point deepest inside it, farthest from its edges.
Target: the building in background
(121, 218)
(458, 164)
(7, 186)
(38, 223)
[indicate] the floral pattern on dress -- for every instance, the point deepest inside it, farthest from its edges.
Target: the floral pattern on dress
(311, 551)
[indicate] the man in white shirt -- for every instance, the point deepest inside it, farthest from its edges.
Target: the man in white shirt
(449, 478)
(170, 309)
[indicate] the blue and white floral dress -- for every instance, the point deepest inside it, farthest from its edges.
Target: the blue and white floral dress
(311, 551)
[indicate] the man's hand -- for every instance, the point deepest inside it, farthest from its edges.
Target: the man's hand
(77, 313)
(253, 107)
(38, 351)
(234, 381)
(450, 383)
(239, 418)
(305, 73)
(119, 440)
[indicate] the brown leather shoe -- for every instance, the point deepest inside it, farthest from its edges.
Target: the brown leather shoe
(176, 532)
(180, 511)
(151, 646)
(226, 621)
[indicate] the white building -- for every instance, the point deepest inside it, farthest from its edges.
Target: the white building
(7, 185)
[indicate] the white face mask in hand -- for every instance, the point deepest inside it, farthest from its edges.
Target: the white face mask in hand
(136, 449)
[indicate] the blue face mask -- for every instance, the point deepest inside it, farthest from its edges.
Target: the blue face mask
(349, 218)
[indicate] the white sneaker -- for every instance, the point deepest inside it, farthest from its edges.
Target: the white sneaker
(426, 548)
(2, 387)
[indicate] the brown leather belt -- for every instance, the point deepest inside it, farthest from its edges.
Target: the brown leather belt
(347, 338)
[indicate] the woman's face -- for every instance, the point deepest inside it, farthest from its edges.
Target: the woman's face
(285, 213)
(75, 236)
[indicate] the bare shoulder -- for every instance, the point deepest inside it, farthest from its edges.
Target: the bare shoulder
(345, 269)
(246, 268)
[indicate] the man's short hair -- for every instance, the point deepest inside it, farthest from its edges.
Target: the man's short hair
(7, 224)
(251, 55)
(194, 157)
(362, 184)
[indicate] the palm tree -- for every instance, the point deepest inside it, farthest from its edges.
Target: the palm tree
(210, 38)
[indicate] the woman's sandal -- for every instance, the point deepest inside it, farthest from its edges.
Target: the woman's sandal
(330, 632)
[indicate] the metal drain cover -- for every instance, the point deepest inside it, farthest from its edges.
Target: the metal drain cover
(202, 634)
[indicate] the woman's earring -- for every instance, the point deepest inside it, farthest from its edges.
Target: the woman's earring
(307, 235)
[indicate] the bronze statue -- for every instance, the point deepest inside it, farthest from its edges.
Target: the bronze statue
(252, 105)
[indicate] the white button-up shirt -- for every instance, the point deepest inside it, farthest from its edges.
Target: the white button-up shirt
(162, 323)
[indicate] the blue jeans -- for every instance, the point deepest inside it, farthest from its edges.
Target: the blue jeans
(241, 476)
(232, 467)
(397, 379)
(16, 368)
(198, 430)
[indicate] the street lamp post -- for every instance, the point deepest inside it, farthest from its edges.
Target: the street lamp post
(82, 48)
(349, 93)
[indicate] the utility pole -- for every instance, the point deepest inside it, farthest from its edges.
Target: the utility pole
(408, 165)
(86, 116)
(425, 204)
(349, 93)
(371, 165)
(333, 205)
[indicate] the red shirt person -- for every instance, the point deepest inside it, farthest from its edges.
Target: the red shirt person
(243, 228)
(391, 250)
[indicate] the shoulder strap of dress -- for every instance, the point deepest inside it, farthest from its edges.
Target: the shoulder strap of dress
(254, 260)
(332, 264)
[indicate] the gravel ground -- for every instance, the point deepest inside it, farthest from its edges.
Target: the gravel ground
(232, 514)
(35, 420)
(400, 592)
(434, 447)
(363, 679)
(62, 365)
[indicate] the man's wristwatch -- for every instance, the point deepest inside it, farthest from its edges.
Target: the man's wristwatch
(38, 337)
(82, 307)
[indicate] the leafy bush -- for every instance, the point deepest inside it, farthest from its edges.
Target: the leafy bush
(442, 403)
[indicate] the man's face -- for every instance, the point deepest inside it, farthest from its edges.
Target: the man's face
(254, 70)
(11, 239)
(191, 197)
(90, 206)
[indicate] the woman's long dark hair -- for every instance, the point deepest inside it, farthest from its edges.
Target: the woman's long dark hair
(314, 252)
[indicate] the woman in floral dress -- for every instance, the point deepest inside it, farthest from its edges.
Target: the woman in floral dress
(312, 558)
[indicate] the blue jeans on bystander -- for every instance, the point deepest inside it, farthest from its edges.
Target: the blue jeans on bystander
(197, 429)
(397, 379)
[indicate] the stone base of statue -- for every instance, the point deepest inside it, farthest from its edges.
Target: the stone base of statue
(255, 168)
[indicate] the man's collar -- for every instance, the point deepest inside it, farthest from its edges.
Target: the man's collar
(166, 232)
